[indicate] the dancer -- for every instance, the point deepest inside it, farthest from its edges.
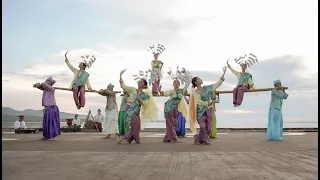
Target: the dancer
(139, 98)
(172, 107)
(156, 67)
(275, 121)
(201, 108)
(121, 118)
(245, 82)
(51, 117)
(80, 79)
(213, 133)
(181, 128)
(110, 124)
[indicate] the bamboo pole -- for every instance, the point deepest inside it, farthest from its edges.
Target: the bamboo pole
(230, 91)
(250, 90)
(68, 89)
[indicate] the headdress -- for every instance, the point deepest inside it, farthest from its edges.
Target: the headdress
(276, 82)
(156, 50)
(183, 75)
(110, 86)
(150, 76)
(88, 60)
(249, 60)
(50, 81)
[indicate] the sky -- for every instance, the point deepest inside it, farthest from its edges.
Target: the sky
(198, 35)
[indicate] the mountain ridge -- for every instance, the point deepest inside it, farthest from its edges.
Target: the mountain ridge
(9, 115)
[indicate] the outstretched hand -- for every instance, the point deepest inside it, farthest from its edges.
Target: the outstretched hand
(224, 68)
(224, 72)
(124, 70)
(37, 85)
(65, 56)
(228, 62)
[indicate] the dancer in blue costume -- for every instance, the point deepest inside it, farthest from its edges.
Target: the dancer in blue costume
(275, 121)
(181, 128)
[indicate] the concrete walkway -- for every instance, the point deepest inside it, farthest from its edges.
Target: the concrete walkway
(85, 156)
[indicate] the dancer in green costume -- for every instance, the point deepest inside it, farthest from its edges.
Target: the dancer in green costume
(213, 133)
(122, 128)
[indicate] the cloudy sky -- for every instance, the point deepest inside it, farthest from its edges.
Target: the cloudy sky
(199, 35)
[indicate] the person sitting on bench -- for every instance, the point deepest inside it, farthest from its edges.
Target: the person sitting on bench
(19, 124)
(76, 121)
(98, 119)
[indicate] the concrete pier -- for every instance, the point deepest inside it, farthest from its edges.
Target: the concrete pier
(233, 155)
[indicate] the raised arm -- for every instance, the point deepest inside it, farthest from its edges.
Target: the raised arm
(126, 88)
(232, 70)
(219, 83)
(46, 86)
(279, 94)
(73, 69)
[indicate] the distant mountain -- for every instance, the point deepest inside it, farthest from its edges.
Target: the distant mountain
(10, 115)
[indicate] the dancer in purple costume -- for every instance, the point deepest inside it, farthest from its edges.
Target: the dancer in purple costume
(245, 83)
(201, 108)
(51, 116)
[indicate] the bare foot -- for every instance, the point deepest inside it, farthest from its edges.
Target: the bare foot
(195, 140)
(120, 140)
(107, 137)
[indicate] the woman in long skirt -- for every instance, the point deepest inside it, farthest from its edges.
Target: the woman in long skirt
(213, 133)
(51, 117)
(181, 129)
(172, 108)
(201, 108)
(122, 128)
(139, 99)
(275, 121)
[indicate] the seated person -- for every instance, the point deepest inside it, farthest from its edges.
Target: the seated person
(98, 119)
(19, 124)
(76, 121)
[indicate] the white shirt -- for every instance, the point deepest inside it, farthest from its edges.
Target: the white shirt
(98, 118)
(76, 121)
(19, 124)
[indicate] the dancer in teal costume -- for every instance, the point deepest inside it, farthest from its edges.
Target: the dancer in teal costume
(275, 120)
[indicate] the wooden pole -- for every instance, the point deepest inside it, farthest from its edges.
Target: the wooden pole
(230, 91)
(68, 89)
(250, 90)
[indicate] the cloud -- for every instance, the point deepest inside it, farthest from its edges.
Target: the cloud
(198, 36)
